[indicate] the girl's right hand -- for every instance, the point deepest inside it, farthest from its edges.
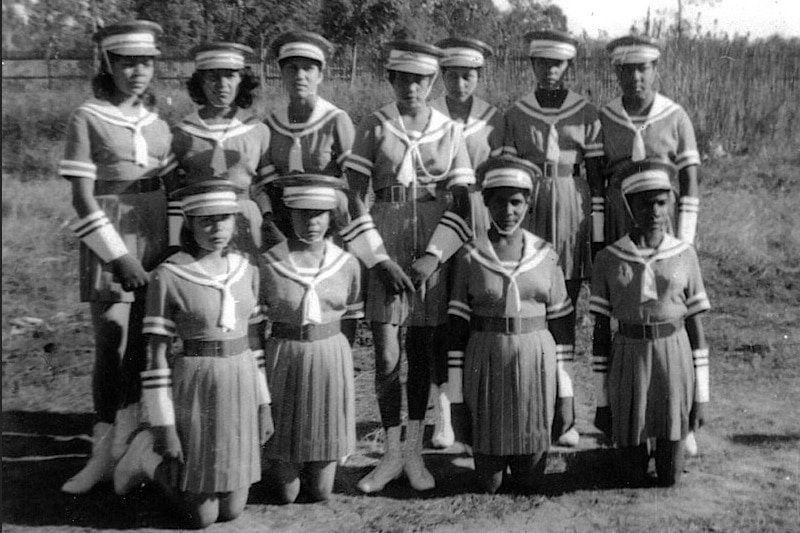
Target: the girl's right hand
(130, 272)
(394, 278)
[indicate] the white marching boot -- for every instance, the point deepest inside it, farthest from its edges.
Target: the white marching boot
(101, 464)
(137, 465)
(443, 435)
(390, 466)
(418, 476)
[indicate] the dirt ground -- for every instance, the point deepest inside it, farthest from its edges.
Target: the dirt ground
(745, 478)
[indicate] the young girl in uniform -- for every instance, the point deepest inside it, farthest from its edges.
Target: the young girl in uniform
(310, 134)
(643, 123)
(483, 128)
(415, 160)
(559, 131)
(652, 378)
(207, 406)
(117, 149)
(509, 313)
(311, 291)
(223, 137)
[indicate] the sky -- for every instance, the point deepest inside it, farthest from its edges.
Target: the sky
(759, 18)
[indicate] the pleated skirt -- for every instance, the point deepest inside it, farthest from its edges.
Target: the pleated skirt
(141, 221)
(426, 307)
(571, 236)
(651, 388)
(510, 391)
(217, 422)
(313, 399)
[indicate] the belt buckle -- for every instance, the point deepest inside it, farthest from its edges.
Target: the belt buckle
(510, 325)
(305, 332)
(550, 169)
(649, 331)
(397, 194)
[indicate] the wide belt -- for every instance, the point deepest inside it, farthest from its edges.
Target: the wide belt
(650, 331)
(559, 170)
(103, 187)
(399, 194)
(306, 332)
(218, 348)
(508, 325)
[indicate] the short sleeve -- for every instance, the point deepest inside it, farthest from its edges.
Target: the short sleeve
(77, 161)
(558, 303)
(355, 295)
(459, 304)
(687, 153)
(600, 299)
(509, 136)
(362, 158)
(343, 142)
(257, 315)
(594, 140)
(496, 137)
(695, 292)
(461, 172)
(159, 319)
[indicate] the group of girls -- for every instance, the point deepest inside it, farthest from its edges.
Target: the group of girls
(224, 233)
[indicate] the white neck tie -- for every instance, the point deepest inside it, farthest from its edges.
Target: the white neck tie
(649, 289)
(638, 152)
(513, 304)
(296, 155)
(553, 152)
(140, 155)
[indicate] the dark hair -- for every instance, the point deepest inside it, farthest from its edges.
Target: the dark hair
(104, 87)
(391, 74)
(488, 193)
(189, 244)
(244, 98)
(285, 60)
(478, 69)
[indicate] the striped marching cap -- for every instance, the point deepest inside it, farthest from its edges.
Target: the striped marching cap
(301, 43)
(463, 52)
(210, 197)
(551, 44)
(130, 38)
(646, 175)
(508, 171)
(413, 57)
(633, 49)
(220, 55)
(310, 191)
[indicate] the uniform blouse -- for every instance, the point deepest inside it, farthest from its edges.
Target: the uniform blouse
(483, 132)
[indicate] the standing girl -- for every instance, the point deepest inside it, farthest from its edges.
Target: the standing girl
(116, 151)
(509, 312)
(223, 138)
(311, 290)
(643, 123)
(483, 128)
(415, 160)
(310, 134)
(208, 407)
(652, 378)
(559, 131)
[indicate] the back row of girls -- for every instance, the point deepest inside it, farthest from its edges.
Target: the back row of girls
(418, 159)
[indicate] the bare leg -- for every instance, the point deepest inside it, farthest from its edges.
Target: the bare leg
(387, 372)
(527, 471)
(231, 504)
(288, 477)
(490, 470)
(670, 460)
(202, 510)
(110, 321)
(321, 475)
(633, 464)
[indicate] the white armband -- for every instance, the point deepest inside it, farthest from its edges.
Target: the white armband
(450, 234)
(600, 371)
(688, 207)
(565, 356)
(262, 391)
(701, 378)
(157, 396)
(598, 219)
(96, 232)
(174, 222)
(455, 376)
(364, 241)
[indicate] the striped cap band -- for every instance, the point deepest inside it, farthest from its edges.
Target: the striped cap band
(635, 53)
(652, 179)
(462, 57)
(140, 43)
(222, 59)
(310, 197)
(551, 49)
(210, 203)
(507, 177)
(301, 49)
(412, 62)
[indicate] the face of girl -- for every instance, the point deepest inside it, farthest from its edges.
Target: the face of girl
(507, 206)
(212, 232)
(311, 225)
(132, 74)
(636, 79)
(460, 82)
(301, 76)
(650, 210)
(221, 86)
(411, 90)
(549, 72)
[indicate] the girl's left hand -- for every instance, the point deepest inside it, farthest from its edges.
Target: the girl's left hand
(266, 426)
(697, 416)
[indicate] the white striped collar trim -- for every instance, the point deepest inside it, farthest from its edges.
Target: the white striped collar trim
(333, 260)
(113, 115)
(572, 104)
(534, 251)
(626, 250)
(478, 118)
(186, 266)
(242, 122)
(438, 125)
(661, 108)
(323, 111)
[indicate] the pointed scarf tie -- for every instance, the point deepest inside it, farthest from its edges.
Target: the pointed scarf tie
(218, 163)
(638, 152)
(312, 310)
(649, 290)
(296, 155)
(140, 155)
(513, 304)
(407, 174)
(553, 152)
